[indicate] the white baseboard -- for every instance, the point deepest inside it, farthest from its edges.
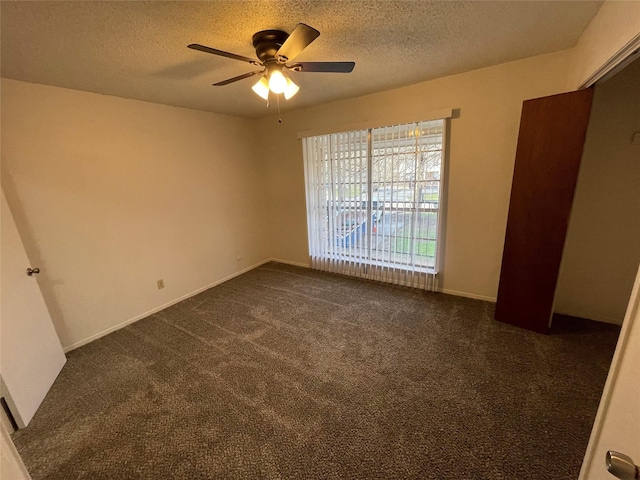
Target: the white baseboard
(245, 270)
(289, 262)
(161, 307)
(467, 295)
(446, 291)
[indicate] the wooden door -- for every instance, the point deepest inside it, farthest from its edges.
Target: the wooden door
(552, 133)
(30, 353)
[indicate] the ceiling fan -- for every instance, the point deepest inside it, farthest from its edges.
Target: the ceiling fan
(275, 50)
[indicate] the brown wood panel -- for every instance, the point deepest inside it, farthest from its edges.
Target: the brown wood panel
(552, 133)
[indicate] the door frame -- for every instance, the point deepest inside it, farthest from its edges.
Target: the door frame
(623, 57)
(616, 363)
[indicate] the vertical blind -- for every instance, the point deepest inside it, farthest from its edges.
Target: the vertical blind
(373, 202)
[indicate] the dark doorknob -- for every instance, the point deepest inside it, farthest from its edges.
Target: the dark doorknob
(31, 271)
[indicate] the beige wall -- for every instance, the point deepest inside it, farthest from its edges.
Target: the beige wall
(615, 24)
(481, 159)
(111, 195)
(603, 243)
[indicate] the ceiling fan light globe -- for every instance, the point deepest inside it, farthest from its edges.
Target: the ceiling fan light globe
(277, 82)
(291, 89)
(262, 88)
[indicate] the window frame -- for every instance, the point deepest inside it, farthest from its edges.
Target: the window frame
(347, 262)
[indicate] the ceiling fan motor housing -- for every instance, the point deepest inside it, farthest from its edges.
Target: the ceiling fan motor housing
(267, 43)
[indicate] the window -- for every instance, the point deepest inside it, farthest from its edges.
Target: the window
(373, 201)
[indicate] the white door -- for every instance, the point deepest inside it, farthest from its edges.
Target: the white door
(617, 425)
(30, 353)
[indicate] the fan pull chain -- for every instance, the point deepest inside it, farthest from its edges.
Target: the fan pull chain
(278, 103)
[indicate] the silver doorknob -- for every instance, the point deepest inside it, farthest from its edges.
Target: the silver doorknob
(31, 271)
(621, 466)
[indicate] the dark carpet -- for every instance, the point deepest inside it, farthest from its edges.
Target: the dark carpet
(289, 373)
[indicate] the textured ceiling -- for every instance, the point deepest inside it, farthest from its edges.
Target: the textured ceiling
(138, 49)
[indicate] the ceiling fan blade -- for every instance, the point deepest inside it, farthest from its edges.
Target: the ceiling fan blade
(235, 79)
(329, 67)
(202, 48)
(299, 39)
